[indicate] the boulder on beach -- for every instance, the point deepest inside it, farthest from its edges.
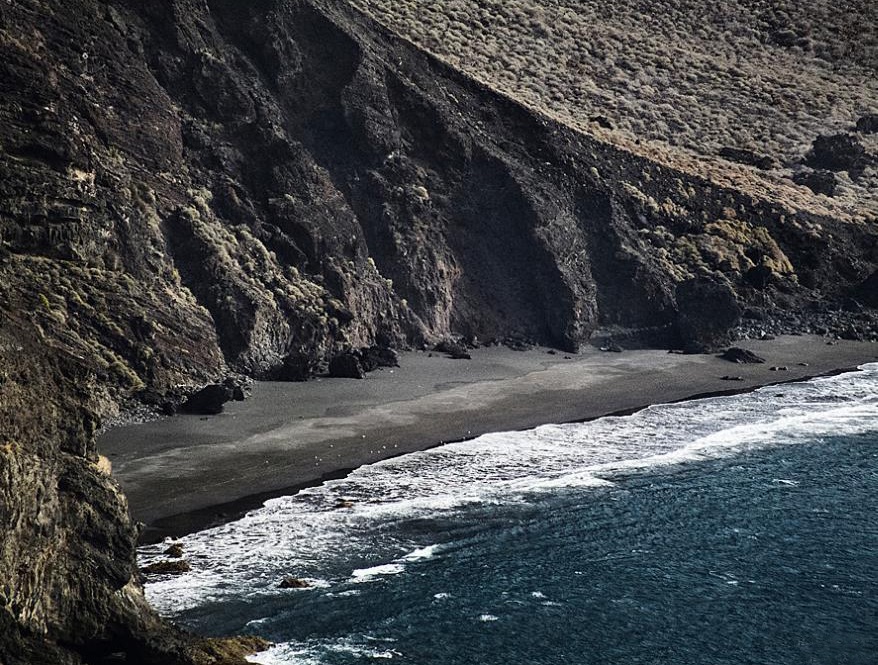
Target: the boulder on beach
(456, 350)
(208, 401)
(295, 367)
(373, 357)
(741, 356)
(346, 365)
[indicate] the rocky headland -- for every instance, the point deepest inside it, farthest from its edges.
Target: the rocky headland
(194, 190)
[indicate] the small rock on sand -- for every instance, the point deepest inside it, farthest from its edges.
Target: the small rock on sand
(741, 356)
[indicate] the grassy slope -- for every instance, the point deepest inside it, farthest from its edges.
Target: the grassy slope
(678, 79)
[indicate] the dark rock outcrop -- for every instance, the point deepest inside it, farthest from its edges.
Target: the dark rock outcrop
(819, 182)
(748, 157)
(838, 152)
(867, 290)
(295, 367)
(175, 567)
(868, 124)
(209, 400)
(454, 349)
(708, 313)
(293, 583)
(346, 365)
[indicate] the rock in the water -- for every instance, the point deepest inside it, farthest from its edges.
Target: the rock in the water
(728, 377)
(779, 368)
(175, 550)
(218, 650)
(612, 347)
(741, 356)
(748, 157)
(293, 583)
(839, 152)
(167, 568)
(208, 401)
(819, 182)
(346, 365)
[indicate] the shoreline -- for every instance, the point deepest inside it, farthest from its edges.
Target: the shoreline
(189, 473)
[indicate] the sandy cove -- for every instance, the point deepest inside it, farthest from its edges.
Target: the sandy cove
(188, 472)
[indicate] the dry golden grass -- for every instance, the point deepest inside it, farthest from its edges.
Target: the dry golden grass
(685, 77)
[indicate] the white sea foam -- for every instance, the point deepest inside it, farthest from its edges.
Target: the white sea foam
(307, 536)
(368, 574)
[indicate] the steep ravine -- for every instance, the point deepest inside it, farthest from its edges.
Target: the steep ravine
(197, 187)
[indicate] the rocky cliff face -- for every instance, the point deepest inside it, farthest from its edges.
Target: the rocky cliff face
(192, 187)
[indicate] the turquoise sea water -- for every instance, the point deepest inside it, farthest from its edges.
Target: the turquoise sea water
(731, 530)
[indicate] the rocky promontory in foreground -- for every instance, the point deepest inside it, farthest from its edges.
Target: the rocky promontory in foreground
(193, 188)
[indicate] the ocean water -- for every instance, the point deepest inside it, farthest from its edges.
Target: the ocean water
(737, 529)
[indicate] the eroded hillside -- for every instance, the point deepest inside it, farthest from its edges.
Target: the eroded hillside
(678, 80)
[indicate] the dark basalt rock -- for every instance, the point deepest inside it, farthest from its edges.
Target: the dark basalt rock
(518, 343)
(293, 583)
(295, 367)
(760, 276)
(708, 313)
(208, 401)
(454, 349)
(867, 290)
(748, 157)
(167, 568)
(741, 356)
(819, 182)
(868, 124)
(346, 365)
(373, 357)
(838, 152)
(175, 550)
(728, 377)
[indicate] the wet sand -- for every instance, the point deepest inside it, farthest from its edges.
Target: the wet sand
(188, 472)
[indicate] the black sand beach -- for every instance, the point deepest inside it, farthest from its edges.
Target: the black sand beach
(188, 472)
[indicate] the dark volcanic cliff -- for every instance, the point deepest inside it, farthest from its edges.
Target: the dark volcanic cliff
(192, 187)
